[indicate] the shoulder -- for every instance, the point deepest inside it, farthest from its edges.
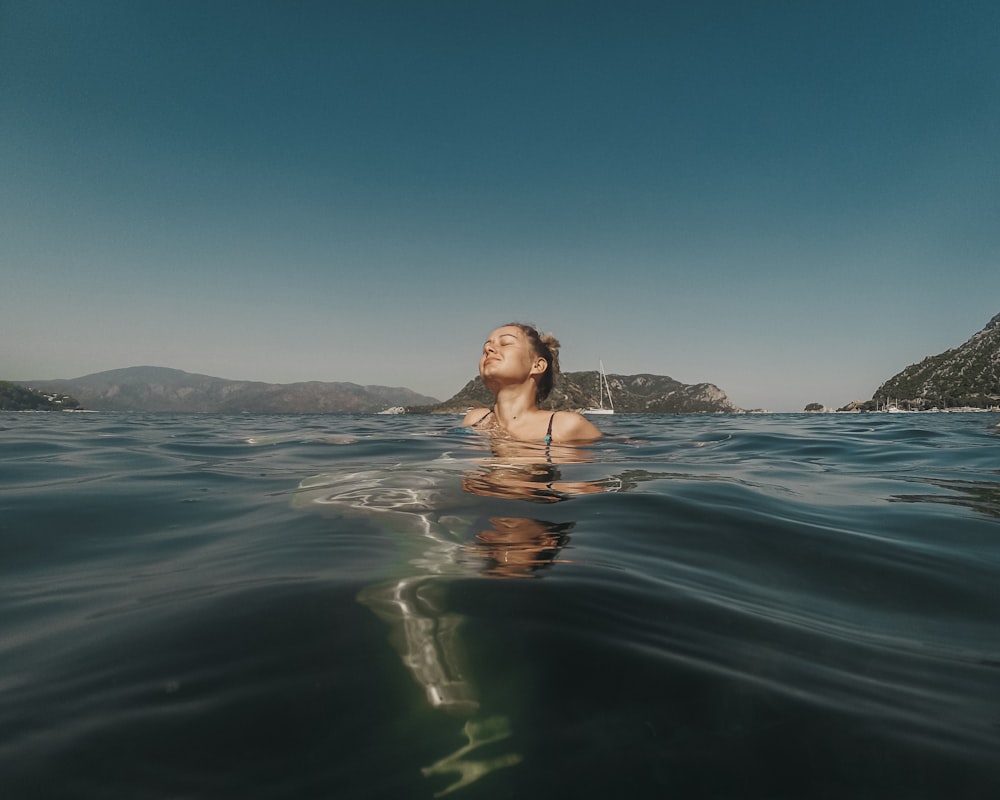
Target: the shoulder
(569, 426)
(474, 416)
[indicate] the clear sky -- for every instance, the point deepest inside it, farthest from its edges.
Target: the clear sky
(791, 200)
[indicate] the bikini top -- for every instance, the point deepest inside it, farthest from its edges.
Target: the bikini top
(548, 431)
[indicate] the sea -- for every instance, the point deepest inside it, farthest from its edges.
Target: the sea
(372, 606)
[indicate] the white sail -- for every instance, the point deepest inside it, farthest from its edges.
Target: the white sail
(603, 388)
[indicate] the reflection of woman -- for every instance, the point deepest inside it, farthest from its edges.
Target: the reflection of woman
(521, 479)
(518, 366)
(516, 547)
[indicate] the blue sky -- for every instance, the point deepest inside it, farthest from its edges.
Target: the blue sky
(791, 200)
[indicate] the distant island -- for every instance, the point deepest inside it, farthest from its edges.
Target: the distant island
(632, 394)
(14, 397)
(173, 390)
(967, 376)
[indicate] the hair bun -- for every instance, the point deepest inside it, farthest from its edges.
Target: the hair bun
(552, 343)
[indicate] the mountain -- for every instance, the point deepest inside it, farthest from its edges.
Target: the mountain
(632, 394)
(162, 389)
(968, 375)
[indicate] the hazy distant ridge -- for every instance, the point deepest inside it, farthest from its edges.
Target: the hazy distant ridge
(163, 389)
(632, 394)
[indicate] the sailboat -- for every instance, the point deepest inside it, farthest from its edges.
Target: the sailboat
(602, 389)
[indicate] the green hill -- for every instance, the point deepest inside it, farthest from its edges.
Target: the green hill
(20, 398)
(968, 375)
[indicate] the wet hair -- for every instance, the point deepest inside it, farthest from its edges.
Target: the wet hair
(546, 347)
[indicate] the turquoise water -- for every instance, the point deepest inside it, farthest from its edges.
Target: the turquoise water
(778, 606)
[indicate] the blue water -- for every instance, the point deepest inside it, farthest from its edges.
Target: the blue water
(786, 606)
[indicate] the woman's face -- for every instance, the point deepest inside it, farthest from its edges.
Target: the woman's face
(506, 352)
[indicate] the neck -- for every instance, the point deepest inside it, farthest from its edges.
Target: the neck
(513, 402)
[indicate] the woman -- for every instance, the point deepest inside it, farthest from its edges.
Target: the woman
(518, 366)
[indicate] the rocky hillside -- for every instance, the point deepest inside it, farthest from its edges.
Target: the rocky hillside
(965, 376)
(161, 389)
(22, 398)
(632, 394)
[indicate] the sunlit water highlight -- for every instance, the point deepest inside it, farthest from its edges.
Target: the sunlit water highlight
(778, 606)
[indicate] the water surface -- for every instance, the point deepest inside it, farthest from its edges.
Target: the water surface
(777, 606)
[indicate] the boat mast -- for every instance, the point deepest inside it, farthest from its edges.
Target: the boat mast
(606, 387)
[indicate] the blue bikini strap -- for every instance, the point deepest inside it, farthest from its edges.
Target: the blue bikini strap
(548, 433)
